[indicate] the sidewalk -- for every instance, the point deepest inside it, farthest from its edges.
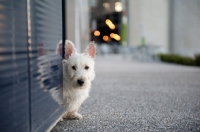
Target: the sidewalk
(135, 96)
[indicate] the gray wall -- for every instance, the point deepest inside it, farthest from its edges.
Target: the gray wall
(171, 24)
(148, 18)
(185, 27)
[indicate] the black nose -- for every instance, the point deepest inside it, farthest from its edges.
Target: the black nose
(80, 82)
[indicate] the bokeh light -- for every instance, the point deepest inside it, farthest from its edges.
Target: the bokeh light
(96, 33)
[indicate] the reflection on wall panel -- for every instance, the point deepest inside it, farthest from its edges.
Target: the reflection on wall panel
(30, 69)
(45, 65)
(14, 108)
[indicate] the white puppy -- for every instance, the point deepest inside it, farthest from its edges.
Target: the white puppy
(78, 72)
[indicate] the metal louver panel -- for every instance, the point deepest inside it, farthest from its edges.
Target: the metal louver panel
(14, 99)
(45, 65)
(30, 69)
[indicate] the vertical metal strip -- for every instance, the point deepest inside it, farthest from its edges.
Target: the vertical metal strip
(170, 25)
(64, 17)
(28, 59)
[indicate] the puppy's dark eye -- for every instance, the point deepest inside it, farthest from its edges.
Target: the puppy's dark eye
(73, 67)
(86, 67)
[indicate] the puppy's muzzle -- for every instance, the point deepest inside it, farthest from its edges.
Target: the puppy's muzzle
(80, 82)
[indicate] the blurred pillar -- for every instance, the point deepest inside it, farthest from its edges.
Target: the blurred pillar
(77, 19)
(129, 9)
(70, 20)
(171, 26)
(124, 31)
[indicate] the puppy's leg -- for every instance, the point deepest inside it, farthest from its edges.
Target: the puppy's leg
(72, 115)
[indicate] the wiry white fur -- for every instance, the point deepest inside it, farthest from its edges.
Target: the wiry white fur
(74, 94)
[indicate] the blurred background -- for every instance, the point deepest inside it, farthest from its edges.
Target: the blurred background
(31, 58)
(125, 26)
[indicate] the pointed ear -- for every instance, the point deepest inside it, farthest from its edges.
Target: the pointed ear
(69, 49)
(59, 48)
(91, 50)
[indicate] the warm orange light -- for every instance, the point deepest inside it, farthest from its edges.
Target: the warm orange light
(105, 38)
(96, 33)
(107, 21)
(115, 36)
(112, 27)
(112, 35)
(110, 24)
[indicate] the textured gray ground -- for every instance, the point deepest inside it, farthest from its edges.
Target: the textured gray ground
(134, 96)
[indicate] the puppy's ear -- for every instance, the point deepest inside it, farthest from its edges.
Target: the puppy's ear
(59, 48)
(91, 50)
(69, 49)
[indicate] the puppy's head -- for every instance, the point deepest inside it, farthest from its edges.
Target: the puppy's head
(79, 67)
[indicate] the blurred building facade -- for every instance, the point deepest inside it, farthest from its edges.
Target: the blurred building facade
(148, 20)
(184, 27)
(174, 25)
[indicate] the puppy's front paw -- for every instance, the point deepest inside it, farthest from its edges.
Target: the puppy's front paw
(73, 116)
(78, 116)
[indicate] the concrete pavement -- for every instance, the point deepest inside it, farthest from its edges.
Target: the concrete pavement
(137, 96)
